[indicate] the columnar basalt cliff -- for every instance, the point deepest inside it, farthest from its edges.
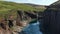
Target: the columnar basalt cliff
(51, 19)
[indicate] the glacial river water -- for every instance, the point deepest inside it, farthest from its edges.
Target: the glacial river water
(32, 29)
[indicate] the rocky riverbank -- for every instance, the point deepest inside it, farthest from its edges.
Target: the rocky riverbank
(15, 21)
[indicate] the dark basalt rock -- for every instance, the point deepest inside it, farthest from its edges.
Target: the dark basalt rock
(51, 19)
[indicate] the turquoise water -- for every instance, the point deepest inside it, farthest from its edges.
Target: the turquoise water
(32, 29)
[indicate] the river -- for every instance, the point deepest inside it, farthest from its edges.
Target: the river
(32, 29)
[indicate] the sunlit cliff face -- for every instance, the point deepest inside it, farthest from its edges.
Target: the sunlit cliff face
(13, 25)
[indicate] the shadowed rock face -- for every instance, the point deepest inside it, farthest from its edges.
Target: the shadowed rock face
(51, 19)
(20, 13)
(10, 23)
(31, 15)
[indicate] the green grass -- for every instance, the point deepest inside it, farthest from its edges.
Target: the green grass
(5, 7)
(11, 5)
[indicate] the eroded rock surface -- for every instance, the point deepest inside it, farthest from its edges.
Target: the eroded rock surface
(15, 21)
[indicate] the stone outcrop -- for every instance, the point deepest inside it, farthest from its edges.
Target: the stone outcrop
(14, 23)
(16, 20)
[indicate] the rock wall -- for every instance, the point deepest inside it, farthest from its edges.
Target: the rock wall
(16, 20)
(51, 19)
(14, 23)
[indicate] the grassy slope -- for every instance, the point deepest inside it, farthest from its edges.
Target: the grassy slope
(6, 6)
